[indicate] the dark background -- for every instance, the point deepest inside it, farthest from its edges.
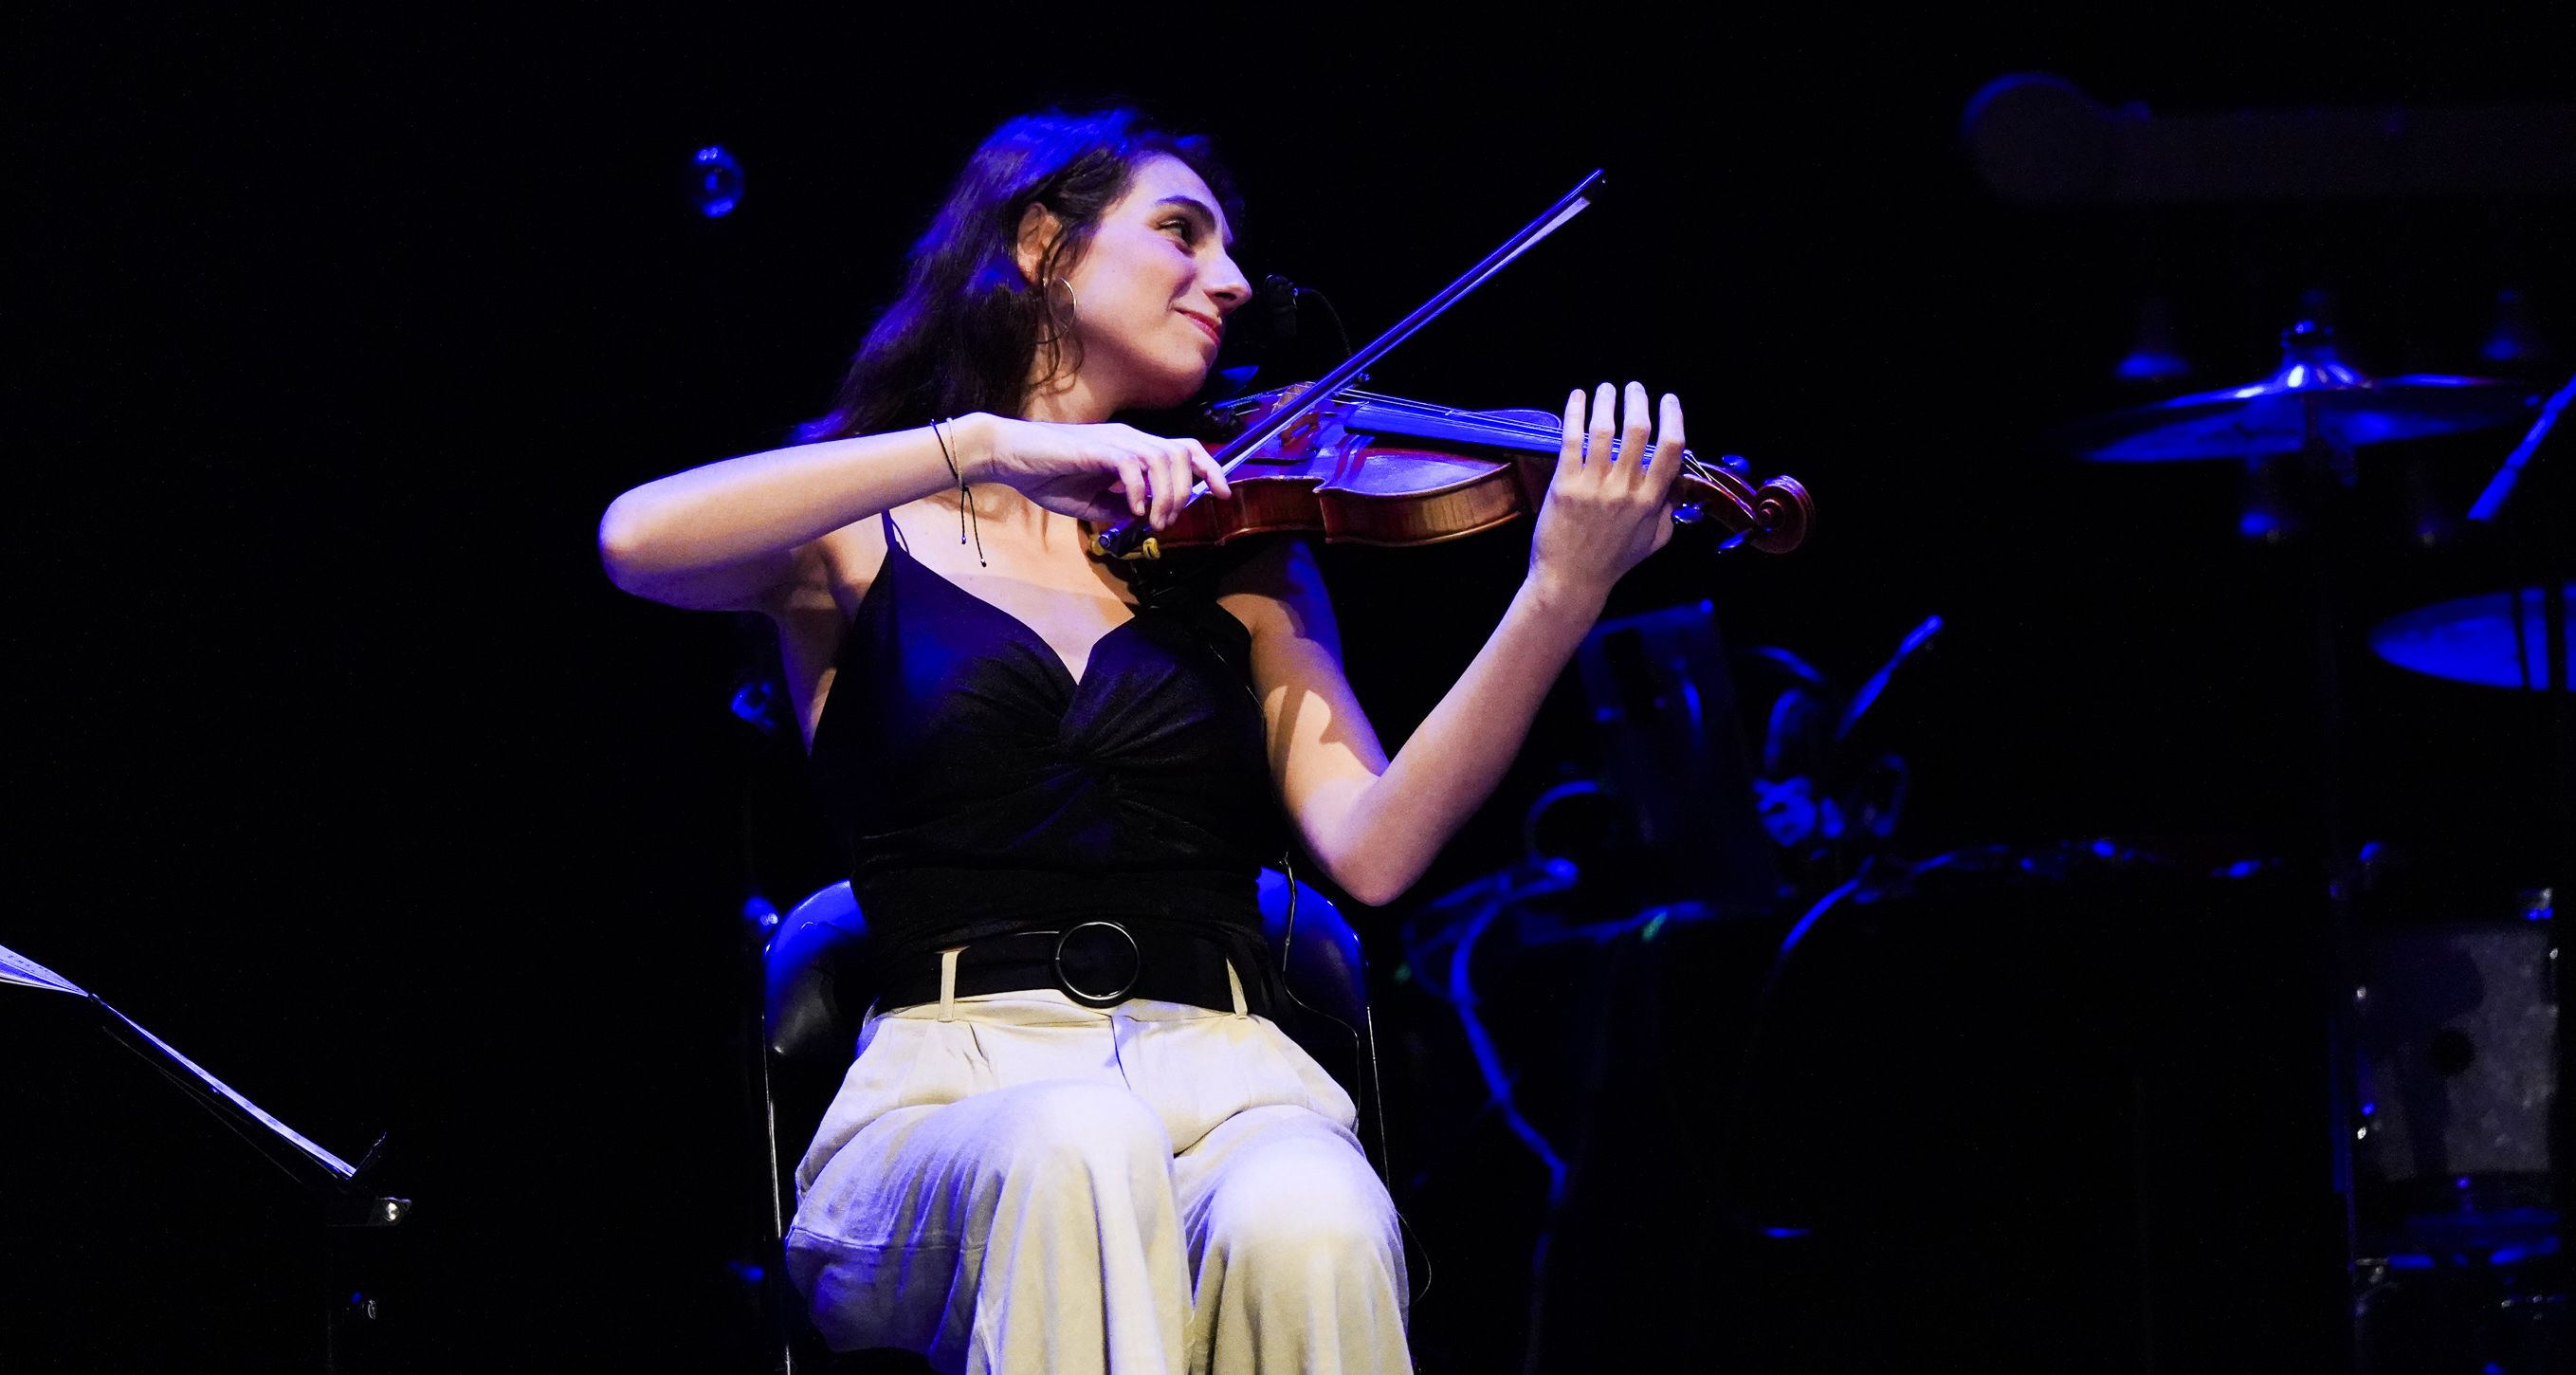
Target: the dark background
(340, 765)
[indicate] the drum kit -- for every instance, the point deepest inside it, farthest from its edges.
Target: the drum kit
(2319, 410)
(2454, 1051)
(2447, 1065)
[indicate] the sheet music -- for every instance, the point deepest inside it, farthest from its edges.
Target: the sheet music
(18, 969)
(329, 1161)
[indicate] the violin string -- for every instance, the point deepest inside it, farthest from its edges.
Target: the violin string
(1467, 420)
(1471, 420)
(1510, 429)
(1538, 436)
(1543, 436)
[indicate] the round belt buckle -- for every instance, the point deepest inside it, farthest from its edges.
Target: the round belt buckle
(1094, 950)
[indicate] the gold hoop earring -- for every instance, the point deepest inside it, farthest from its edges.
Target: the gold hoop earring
(1072, 307)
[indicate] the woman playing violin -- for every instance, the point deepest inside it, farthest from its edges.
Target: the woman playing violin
(1021, 1173)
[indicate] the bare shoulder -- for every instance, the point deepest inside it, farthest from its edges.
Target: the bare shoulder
(840, 567)
(812, 607)
(1319, 736)
(830, 573)
(1279, 590)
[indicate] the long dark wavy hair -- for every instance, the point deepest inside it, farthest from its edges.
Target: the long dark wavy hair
(968, 330)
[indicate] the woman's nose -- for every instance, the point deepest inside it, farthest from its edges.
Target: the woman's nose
(1226, 283)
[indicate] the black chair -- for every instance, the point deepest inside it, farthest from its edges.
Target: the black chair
(818, 989)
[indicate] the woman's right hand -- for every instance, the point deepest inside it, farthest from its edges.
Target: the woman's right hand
(1100, 473)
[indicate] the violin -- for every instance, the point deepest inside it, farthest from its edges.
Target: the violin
(1358, 467)
(1364, 468)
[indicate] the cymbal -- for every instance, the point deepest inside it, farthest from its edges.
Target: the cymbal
(2315, 398)
(2472, 640)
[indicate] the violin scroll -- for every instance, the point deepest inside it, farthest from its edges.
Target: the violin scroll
(1773, 517)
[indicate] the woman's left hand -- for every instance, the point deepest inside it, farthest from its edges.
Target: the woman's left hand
(1605, 513)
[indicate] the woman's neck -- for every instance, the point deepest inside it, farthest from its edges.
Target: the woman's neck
(1070, 401)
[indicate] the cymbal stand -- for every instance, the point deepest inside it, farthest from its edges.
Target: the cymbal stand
(2296, 432)
(2548, 550)
(2327, 474)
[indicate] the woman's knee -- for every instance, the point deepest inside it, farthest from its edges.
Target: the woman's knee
(1077, 1125)
(1313, 1206)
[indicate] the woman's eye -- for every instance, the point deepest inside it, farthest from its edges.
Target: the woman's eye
(1189, 232)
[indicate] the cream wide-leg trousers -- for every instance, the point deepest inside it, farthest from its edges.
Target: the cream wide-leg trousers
(1014, 1183)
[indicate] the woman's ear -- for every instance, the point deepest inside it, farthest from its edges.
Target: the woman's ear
(1039, 230)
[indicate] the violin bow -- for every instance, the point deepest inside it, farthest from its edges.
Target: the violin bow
(1129, 539)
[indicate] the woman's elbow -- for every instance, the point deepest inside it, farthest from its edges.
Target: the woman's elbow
(623, 544)
(1377, 894)
(1366, 857)
(1370, 880)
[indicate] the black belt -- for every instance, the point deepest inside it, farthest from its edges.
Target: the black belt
(1095, 963)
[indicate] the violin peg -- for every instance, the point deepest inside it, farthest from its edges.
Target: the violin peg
(1689, 513)
(1735, 540)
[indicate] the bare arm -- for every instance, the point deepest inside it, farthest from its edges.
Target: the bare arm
(732, 535)
(1376, 825)
(726, 536)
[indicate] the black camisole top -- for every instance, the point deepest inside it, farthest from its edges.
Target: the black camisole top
(982, 790)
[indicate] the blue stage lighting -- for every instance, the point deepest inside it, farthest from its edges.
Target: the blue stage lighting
(2498, 639)
(716, 179)
(2515, 1255)
(752, 703)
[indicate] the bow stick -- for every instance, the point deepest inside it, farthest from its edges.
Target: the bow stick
(1126, 540)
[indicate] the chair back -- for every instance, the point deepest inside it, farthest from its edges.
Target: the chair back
(815, 992)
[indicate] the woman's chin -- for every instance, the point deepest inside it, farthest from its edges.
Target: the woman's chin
(1173, 391)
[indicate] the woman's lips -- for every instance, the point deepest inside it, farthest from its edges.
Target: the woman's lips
(1215, 332)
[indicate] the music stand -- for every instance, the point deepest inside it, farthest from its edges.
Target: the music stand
(344, 1191)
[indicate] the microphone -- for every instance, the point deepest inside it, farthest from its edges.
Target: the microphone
(1281, 301)
(1278, 301)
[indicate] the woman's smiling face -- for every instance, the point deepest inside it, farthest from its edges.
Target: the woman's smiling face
(1152, 291)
